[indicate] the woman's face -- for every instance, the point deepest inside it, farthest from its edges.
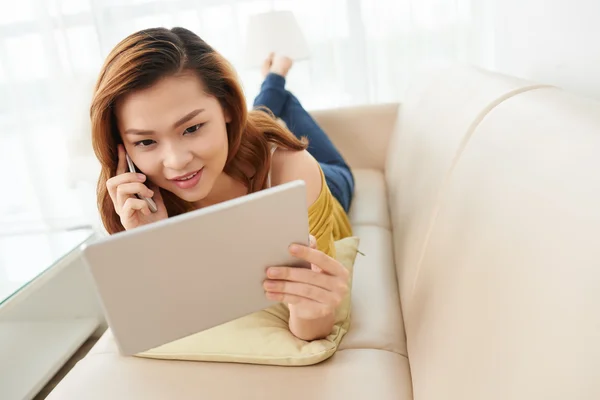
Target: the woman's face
(176, 135)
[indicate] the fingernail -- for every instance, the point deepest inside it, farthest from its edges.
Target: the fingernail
(141, 177)
(294, 249)
(273, 272)
(151, 193)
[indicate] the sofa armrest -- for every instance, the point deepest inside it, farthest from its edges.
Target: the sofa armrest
(360, 133)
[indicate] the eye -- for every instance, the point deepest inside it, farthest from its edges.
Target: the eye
(193, 128)
(144, 143)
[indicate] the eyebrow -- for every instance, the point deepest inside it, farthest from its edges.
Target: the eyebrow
(179, 122)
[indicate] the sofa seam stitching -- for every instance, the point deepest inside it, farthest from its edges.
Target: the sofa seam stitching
(371, 348)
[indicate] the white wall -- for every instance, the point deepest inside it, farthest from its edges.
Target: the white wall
(552, 41)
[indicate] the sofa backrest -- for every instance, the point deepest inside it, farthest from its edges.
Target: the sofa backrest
(433, 127)
(494, 187)
(360, 133)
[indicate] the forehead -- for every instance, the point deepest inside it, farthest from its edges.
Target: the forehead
(158, 106)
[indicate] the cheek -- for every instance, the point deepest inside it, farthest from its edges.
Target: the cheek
(213, 147)
(149, 165)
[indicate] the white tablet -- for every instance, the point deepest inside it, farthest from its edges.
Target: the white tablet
(173, 278)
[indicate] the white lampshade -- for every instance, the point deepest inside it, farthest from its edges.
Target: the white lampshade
(274, 31)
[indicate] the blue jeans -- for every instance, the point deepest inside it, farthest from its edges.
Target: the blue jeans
(286, 106)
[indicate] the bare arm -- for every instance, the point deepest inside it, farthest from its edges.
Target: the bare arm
(306, 323)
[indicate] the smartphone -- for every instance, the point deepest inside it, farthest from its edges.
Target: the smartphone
(149, 201)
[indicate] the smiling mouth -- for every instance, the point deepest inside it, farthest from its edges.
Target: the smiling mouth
(186, 177)
(188, 181)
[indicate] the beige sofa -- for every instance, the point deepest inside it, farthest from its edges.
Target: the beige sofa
(478, 206)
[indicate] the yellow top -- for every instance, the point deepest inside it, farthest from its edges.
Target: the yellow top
(327, 220)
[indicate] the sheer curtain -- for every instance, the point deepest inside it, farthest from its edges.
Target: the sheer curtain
(362, 51)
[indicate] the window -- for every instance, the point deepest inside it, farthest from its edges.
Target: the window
(51, 50)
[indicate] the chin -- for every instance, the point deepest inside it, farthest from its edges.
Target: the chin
(194, 195)
(189, 196)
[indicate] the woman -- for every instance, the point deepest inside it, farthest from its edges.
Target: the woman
(174, 105)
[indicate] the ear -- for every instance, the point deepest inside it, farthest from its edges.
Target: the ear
(227, 115)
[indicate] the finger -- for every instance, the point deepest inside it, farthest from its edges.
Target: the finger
(305, 290)
(156, 189)
(121, 162)
(132, 205)
(320, 259)
(313, 242)
(293, 299)
(128, 190)
(131, 188)
(113, 183)
(303, 275)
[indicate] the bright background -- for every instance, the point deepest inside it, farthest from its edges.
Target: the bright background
(362, 51)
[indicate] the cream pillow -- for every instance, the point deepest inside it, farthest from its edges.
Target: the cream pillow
(264, 337)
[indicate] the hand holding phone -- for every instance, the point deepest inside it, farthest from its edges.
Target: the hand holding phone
(148, 200)
(136, 201)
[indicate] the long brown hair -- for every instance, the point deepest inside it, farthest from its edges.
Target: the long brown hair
(140, 60)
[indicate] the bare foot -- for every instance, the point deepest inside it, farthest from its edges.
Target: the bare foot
(266, 67)
(281, 65)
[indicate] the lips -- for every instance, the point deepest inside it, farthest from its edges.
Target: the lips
(186, 177)
(188, 181)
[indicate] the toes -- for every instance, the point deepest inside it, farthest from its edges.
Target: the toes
(269, 60)
(267, 63)
(281, 64)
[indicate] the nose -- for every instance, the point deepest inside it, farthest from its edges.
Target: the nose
(176, 157)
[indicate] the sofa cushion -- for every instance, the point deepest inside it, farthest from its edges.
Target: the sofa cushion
(376, 314)
(348, 375)
(369, 206)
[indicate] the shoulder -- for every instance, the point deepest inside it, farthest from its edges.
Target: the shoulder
(289, 165)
